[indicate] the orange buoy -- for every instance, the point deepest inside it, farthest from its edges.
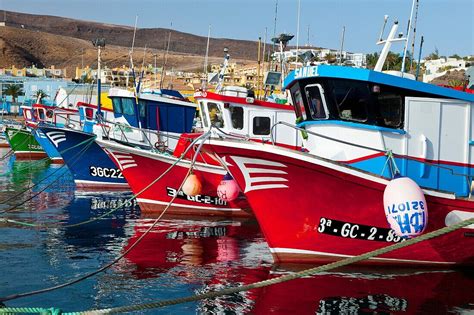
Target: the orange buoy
(192, 186)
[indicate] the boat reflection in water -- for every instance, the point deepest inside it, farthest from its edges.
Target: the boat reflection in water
(212, 255)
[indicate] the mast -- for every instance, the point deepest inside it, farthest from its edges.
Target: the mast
(414, 35)
(419, 58)
(220, 84)
(165, 58)
(407, 37)
(274, 32)
(342, 44)
(258, 68)
(206, 58)
(386, 48)
(298, 30)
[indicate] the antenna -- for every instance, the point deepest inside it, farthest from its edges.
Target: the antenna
(419, 58)
(342, 44)
(204, 82)
(298, 30)
(133, 42)
(165, 58)
(414, 36)
(408, 37)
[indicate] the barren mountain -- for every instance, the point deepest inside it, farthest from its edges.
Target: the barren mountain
(46, 40)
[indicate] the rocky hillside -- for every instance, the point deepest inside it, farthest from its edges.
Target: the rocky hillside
(24, 47)
(71, 31)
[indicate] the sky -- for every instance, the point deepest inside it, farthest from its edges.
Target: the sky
(447, 25)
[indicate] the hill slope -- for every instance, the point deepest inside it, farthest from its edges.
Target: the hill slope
(122, 35)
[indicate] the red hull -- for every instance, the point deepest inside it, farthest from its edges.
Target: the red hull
(316, 211)
(30, 155)
(141, 168)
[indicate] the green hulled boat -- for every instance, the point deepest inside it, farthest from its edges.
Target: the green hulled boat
(24, 144)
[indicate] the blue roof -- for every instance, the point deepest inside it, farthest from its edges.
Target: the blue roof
(340, 72)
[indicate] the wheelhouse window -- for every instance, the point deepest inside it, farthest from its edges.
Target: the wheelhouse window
(261, 126)
(299, 106)
(117, 104)
(316, 103)
(203, 115)
(351, 98)
(237, 117)
(127, 106)
(390, 106)
(215, 115)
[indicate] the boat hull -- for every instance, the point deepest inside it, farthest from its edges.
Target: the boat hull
(23, 144)
(317, 211)
(48, 147)
(141, 168)
(91, 167)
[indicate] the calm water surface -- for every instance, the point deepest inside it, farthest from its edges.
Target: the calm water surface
(180, 257)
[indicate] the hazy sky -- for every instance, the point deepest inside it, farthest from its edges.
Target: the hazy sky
(446, 24)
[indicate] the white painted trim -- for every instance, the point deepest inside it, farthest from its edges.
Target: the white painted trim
(186, 206)
(92, 182)
(277, 250)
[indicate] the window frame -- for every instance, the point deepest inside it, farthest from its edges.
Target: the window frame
(323, 100)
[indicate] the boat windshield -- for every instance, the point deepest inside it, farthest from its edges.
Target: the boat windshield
(215, 115)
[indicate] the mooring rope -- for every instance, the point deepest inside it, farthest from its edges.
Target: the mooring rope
(74, 159)
(264, 283)
(71, 282)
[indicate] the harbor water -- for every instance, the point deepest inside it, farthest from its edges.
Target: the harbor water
(56, 234)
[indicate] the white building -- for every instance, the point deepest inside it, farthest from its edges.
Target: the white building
(358, 60)
(438, 67)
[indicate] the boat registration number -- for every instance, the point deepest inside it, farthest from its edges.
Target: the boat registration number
(357, 231)
(98, 171)
(210, 200)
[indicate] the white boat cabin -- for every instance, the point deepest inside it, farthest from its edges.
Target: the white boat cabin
(428, 128)
(238, 113)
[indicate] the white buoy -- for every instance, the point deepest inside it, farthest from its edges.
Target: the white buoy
(405, 207)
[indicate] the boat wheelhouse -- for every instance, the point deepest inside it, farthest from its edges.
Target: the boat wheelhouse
(427, 128)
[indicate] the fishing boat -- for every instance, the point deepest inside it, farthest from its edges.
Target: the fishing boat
(23, 143)
(52, 115)
(233, 112)
(363, 127)
(78, 146)
(372, 140)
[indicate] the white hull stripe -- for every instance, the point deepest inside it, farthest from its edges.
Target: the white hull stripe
(186, 206)
(278, 250)
(31, 152)
(253, 182)
(56, 137)
(92, 182)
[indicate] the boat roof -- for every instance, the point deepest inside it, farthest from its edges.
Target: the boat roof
(240, 100)
(340, 72)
